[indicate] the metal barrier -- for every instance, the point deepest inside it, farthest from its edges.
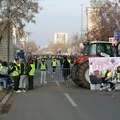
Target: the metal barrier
(59, 75)
(54, 76)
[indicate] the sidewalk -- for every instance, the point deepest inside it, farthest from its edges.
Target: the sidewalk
(2, 94)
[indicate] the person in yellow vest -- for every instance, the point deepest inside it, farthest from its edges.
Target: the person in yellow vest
(17, 61)
(61, 61)
(116, 75)
(66, 70)
(106, 77)
(22, 82)
(43, 70)
(0, 66)
(69, 60)
(14, 72)
(4, 74)
(54, 65)
(31, 74)
(116, 78)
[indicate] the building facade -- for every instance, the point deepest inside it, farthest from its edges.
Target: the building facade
(61, 37)
(9, 47)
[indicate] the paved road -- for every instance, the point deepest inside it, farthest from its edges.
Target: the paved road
(56, 101)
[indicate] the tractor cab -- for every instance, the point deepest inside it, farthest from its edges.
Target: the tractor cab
(99, 48)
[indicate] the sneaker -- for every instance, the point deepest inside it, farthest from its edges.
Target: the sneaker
(23, 90)
(18, 91)
(100, 89)
(45, 82)
(109, 90)
(102, 85)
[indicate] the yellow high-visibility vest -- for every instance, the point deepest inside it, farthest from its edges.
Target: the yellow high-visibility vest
(0, 69)
(32, 71)
(54, 63)
(15, 72)
(117, 76)
(69, 60)
(108, 75)
(19, 68)
(43, 66)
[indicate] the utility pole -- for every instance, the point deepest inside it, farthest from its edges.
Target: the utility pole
(9, 32)
(87, 21)
(81, 33)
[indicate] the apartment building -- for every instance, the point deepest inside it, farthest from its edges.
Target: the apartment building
(61, 37)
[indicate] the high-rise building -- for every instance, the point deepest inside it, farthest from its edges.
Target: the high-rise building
(92, 22)
(61, 37)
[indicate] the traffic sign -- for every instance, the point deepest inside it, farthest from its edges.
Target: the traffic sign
(113, 41)
(117, 35)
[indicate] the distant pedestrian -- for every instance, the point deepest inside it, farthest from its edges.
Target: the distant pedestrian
(4, 74)
(22, 82)
(61, 62)
(66, 70)
(17, 61)
(54, 65)
(31, 74)
(14, 72)
(43, 70)
(36, 62)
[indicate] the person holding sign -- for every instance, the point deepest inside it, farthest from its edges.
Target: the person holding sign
(116, 78)
(106, 78)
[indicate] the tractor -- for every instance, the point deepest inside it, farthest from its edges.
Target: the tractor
(80, 69)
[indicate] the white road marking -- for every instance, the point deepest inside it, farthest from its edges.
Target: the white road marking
(57, 83)
(70, 100)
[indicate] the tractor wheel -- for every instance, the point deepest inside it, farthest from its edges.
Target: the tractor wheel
(75, 74)
(84, 75)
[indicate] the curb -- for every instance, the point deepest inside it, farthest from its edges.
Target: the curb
(5, 99)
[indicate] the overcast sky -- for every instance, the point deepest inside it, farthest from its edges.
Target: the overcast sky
(56, 16)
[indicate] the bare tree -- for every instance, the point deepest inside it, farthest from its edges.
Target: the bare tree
(30, 47)
(14, 13)
(76, 40)
(105, 18)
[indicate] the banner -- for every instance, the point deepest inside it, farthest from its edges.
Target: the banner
(102, 63)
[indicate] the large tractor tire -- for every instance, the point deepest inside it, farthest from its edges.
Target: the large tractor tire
(75, 74)
(84, 74)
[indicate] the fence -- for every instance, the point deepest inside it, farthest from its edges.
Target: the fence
(55, 76)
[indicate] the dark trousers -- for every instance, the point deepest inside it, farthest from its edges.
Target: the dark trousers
(54, 68)
(112, 86)
(30, 82)
(16, 82)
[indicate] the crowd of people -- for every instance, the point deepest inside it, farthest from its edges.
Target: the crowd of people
(15, 74)
(106, 77)
(19, 74)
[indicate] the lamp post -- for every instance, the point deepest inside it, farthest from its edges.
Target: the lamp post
(81, 33)
(9, 32)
